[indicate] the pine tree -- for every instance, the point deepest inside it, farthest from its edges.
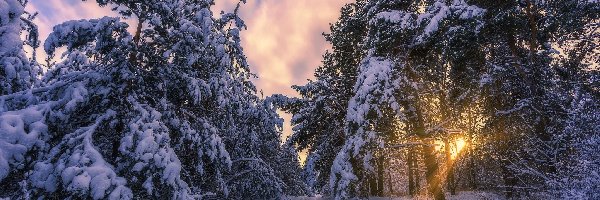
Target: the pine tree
(524, 65)
(17, 72)
(289, 169)
(409, 79)
(319, 115)
(168, 112)
(431, 63)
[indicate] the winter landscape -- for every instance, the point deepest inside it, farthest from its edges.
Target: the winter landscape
(408, 99)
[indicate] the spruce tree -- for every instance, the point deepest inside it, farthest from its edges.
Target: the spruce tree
(431, 63)
(319, 115)
(166, 112)
(17, 71)
(18, 74)
(408, 80)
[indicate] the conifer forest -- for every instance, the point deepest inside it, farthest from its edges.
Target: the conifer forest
(414, 99)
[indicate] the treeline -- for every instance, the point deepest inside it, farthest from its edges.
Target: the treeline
(167, 112)
(408, 83)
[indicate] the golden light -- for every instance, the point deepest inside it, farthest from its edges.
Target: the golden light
(438, 144)
(455, 146)
(459, 144)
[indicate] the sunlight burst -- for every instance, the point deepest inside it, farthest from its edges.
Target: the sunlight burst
(459, 143)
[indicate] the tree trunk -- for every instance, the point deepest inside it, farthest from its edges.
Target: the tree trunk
(380, 179)
(508, 176)
(472, 172)
(531, 12)
(471, 151)
(416, 174)
(376, 182)
(390, 184)
(510, 181)
(412, 183)
(449, 168)
(431, 166)
(372, 185)
(136, 40)
(416, 118)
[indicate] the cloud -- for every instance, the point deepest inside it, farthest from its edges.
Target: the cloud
(284, 41)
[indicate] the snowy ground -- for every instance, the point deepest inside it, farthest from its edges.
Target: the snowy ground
(459, 196)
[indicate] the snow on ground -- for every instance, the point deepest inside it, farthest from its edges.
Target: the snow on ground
(460, 196)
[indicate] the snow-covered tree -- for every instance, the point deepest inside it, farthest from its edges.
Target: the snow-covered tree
(528, 83)
(168, 112)
(578, 172)
(432, 63)
(17, 71)
(291, 172)
(19, 131)
(406, 82)
(319, 115)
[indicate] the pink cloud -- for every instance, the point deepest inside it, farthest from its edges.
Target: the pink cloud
(284, 42)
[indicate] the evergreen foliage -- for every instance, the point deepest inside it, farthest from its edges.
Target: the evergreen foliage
(168, 112)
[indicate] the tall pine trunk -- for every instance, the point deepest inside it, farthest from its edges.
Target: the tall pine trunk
(380, 179)
(431, 166)
(413, 180)
(417, 120)
(451, 184)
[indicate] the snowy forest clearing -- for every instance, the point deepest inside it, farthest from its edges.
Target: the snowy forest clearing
(418, 99)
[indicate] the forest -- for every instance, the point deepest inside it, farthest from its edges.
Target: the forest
(423, 99)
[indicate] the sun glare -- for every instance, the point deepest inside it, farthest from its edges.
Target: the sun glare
(459, 145)
(455, 147)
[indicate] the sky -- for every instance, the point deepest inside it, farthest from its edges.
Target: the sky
(283, 42)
